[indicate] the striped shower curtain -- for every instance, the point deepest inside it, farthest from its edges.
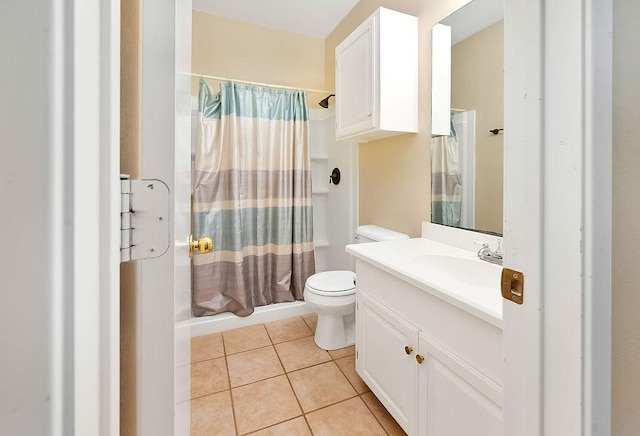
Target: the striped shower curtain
(446, 181)
(252, 195)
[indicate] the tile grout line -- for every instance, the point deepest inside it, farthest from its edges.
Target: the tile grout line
(363, 393)
(286, 374)
(358, 395)
(345, 376)
(273, 425)
(337, 402)
(251, 349)
(256, 381)
(233, 407)
(269, 378)
(372, 412)
(208, 393)
(309, 325)
(351, 398)
(331, 359)
(304, 414)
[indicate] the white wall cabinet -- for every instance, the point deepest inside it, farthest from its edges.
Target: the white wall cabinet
(377, 78)
(441, 80)
(436, 368)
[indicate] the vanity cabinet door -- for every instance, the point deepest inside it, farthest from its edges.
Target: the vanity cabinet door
(390, 370)
(455, 399)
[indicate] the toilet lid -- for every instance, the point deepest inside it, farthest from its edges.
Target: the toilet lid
(332, 283)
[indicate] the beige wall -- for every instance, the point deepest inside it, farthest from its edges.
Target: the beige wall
(626, 214)
(477, 82)
(233, 49)
(395, 173)
(129, 164)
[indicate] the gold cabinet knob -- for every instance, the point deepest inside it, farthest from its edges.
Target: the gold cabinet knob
(203, 245)
(419, 358)
(408, 349)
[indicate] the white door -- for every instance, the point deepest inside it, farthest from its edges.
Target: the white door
(557, 152)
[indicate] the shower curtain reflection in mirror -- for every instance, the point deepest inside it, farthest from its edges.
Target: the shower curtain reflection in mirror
(252, 195)
(446, 180)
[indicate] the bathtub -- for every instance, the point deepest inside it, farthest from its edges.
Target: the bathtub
(206, 325)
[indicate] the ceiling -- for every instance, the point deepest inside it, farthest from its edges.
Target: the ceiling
(474, 17)
(309, 17)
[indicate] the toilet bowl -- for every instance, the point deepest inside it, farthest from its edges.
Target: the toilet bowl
(332, 294)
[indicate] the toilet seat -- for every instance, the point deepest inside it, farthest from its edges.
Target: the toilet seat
(332, 283)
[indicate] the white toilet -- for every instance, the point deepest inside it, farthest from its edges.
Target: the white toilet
(332, 294)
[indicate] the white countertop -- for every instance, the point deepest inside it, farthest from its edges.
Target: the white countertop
(399, 258)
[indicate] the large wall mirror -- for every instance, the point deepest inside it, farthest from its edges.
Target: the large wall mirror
(468, 109)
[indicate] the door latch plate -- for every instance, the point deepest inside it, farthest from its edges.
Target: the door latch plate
(512, 284)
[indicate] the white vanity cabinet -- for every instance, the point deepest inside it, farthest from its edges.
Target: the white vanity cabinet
(377, 78)
(455, 398)
(435, 367)
(391, 372)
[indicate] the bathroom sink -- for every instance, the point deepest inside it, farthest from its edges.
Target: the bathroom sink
(452, 270)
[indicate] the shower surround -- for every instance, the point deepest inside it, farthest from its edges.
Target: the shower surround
(331, 204)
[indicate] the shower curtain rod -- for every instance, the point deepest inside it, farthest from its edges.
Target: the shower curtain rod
(270, 85)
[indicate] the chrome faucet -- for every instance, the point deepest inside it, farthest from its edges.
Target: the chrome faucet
(487, 255)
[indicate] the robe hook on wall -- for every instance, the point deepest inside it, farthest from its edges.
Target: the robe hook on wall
(495, 131)
(335, 176)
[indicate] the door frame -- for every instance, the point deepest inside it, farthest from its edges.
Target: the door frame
(164, 293)
(62, 375)
(558, 143)
(93, 75)
(86, 67)
(558, 100)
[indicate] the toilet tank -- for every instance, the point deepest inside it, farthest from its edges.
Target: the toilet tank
(373, 233)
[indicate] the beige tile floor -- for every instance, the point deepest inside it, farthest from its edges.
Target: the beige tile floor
(272, 379)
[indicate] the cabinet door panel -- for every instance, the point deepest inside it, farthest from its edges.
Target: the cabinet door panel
(455, 399)
(391, 373)
(354, 81)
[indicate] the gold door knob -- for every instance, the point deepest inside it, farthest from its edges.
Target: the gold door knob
(419, 358)
(203, 245)
(408, 349)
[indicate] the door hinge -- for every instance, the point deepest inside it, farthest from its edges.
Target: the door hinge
(144, 219)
